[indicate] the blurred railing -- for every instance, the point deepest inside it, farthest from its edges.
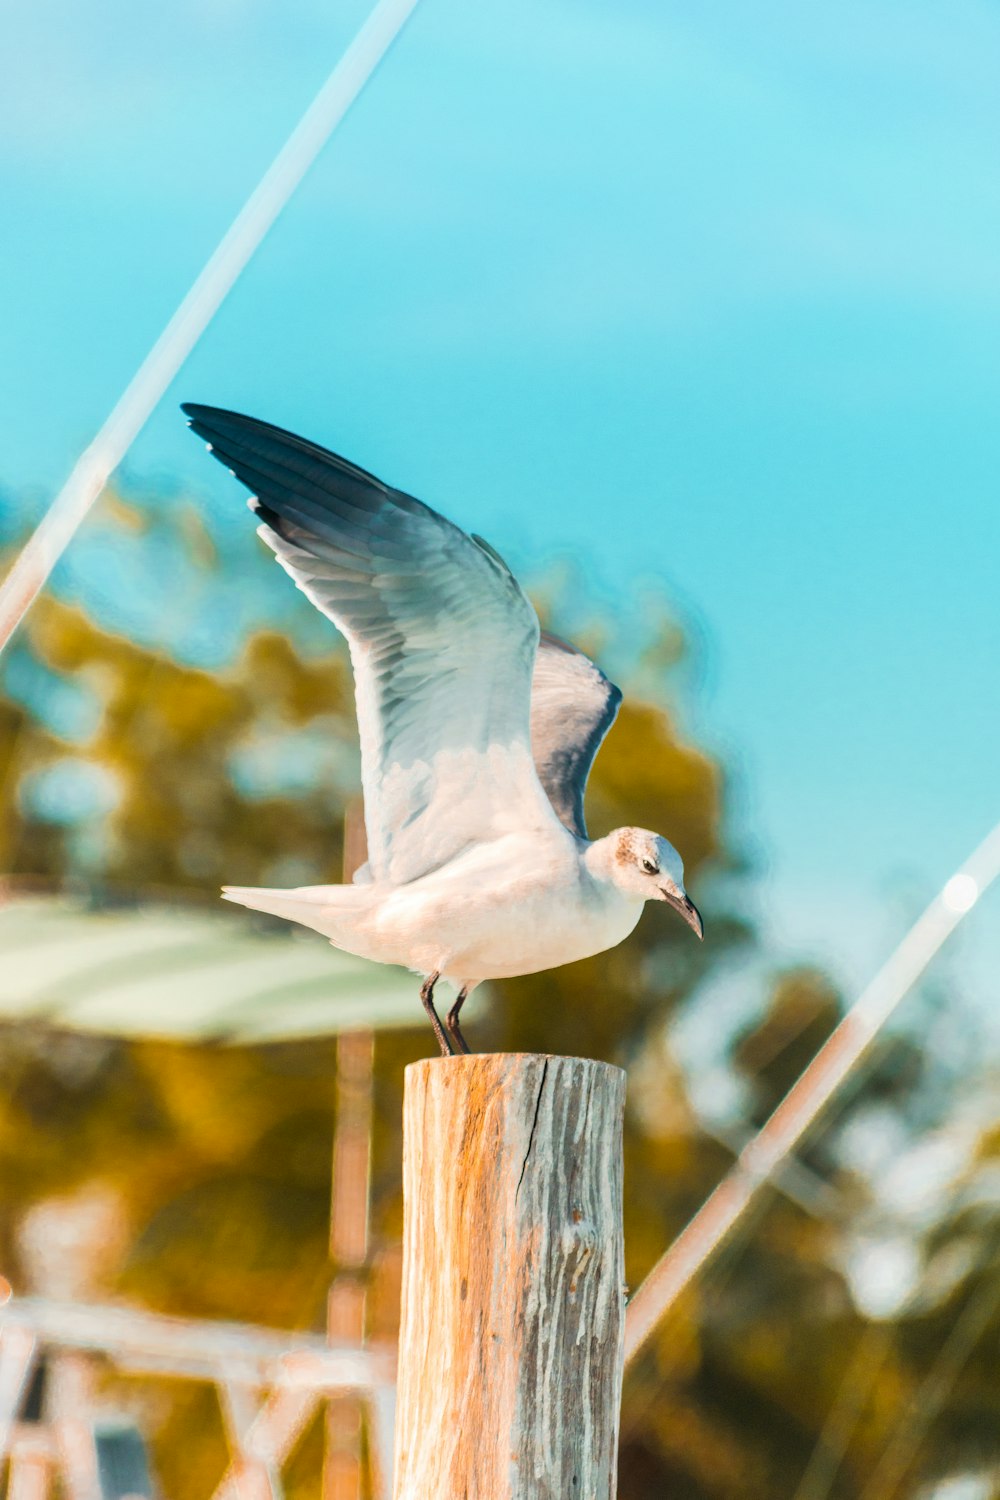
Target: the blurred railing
(269, 1386)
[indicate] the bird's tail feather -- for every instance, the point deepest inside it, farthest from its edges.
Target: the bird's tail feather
(322, 907)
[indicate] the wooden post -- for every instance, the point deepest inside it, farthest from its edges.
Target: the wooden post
(511, 1343)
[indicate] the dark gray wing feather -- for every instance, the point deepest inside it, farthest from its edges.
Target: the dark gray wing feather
(573, 705)
(442, 642)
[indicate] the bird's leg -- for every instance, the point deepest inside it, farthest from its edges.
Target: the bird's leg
(452, 1022)
(427, 996)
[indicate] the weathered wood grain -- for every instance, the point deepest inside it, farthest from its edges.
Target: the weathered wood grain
(511, 1347)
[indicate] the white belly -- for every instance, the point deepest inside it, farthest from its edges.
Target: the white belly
(498, 913)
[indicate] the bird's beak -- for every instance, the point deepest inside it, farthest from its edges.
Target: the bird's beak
(688, 911)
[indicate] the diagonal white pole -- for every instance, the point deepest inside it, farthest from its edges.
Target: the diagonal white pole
(758, 1161)
(90, 474)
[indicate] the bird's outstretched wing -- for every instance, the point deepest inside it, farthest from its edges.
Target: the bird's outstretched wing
(442, 643)
(573, 705)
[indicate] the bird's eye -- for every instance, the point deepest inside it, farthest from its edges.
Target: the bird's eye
(649, 866)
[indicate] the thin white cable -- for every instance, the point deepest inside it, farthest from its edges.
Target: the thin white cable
(92, 470)
(758, 1160)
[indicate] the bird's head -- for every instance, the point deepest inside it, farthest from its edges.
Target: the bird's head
(645, 865)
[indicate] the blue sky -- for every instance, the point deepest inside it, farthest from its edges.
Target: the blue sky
(702, 298)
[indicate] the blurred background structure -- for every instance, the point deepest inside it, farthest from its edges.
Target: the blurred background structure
(695, 319)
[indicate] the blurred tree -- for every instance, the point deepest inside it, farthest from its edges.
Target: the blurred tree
(135, 755)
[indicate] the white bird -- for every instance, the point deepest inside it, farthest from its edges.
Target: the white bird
(477, 737)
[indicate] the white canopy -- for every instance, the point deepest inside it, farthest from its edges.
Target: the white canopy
(188, 974)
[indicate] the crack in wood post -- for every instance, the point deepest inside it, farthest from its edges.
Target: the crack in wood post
(534, 1125)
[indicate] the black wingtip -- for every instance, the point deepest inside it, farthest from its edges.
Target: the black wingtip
(241, 442)
(216, 424)
(194, 411)
(197, 414)
(198, 417)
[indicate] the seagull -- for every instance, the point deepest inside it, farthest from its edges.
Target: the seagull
(478, 732)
